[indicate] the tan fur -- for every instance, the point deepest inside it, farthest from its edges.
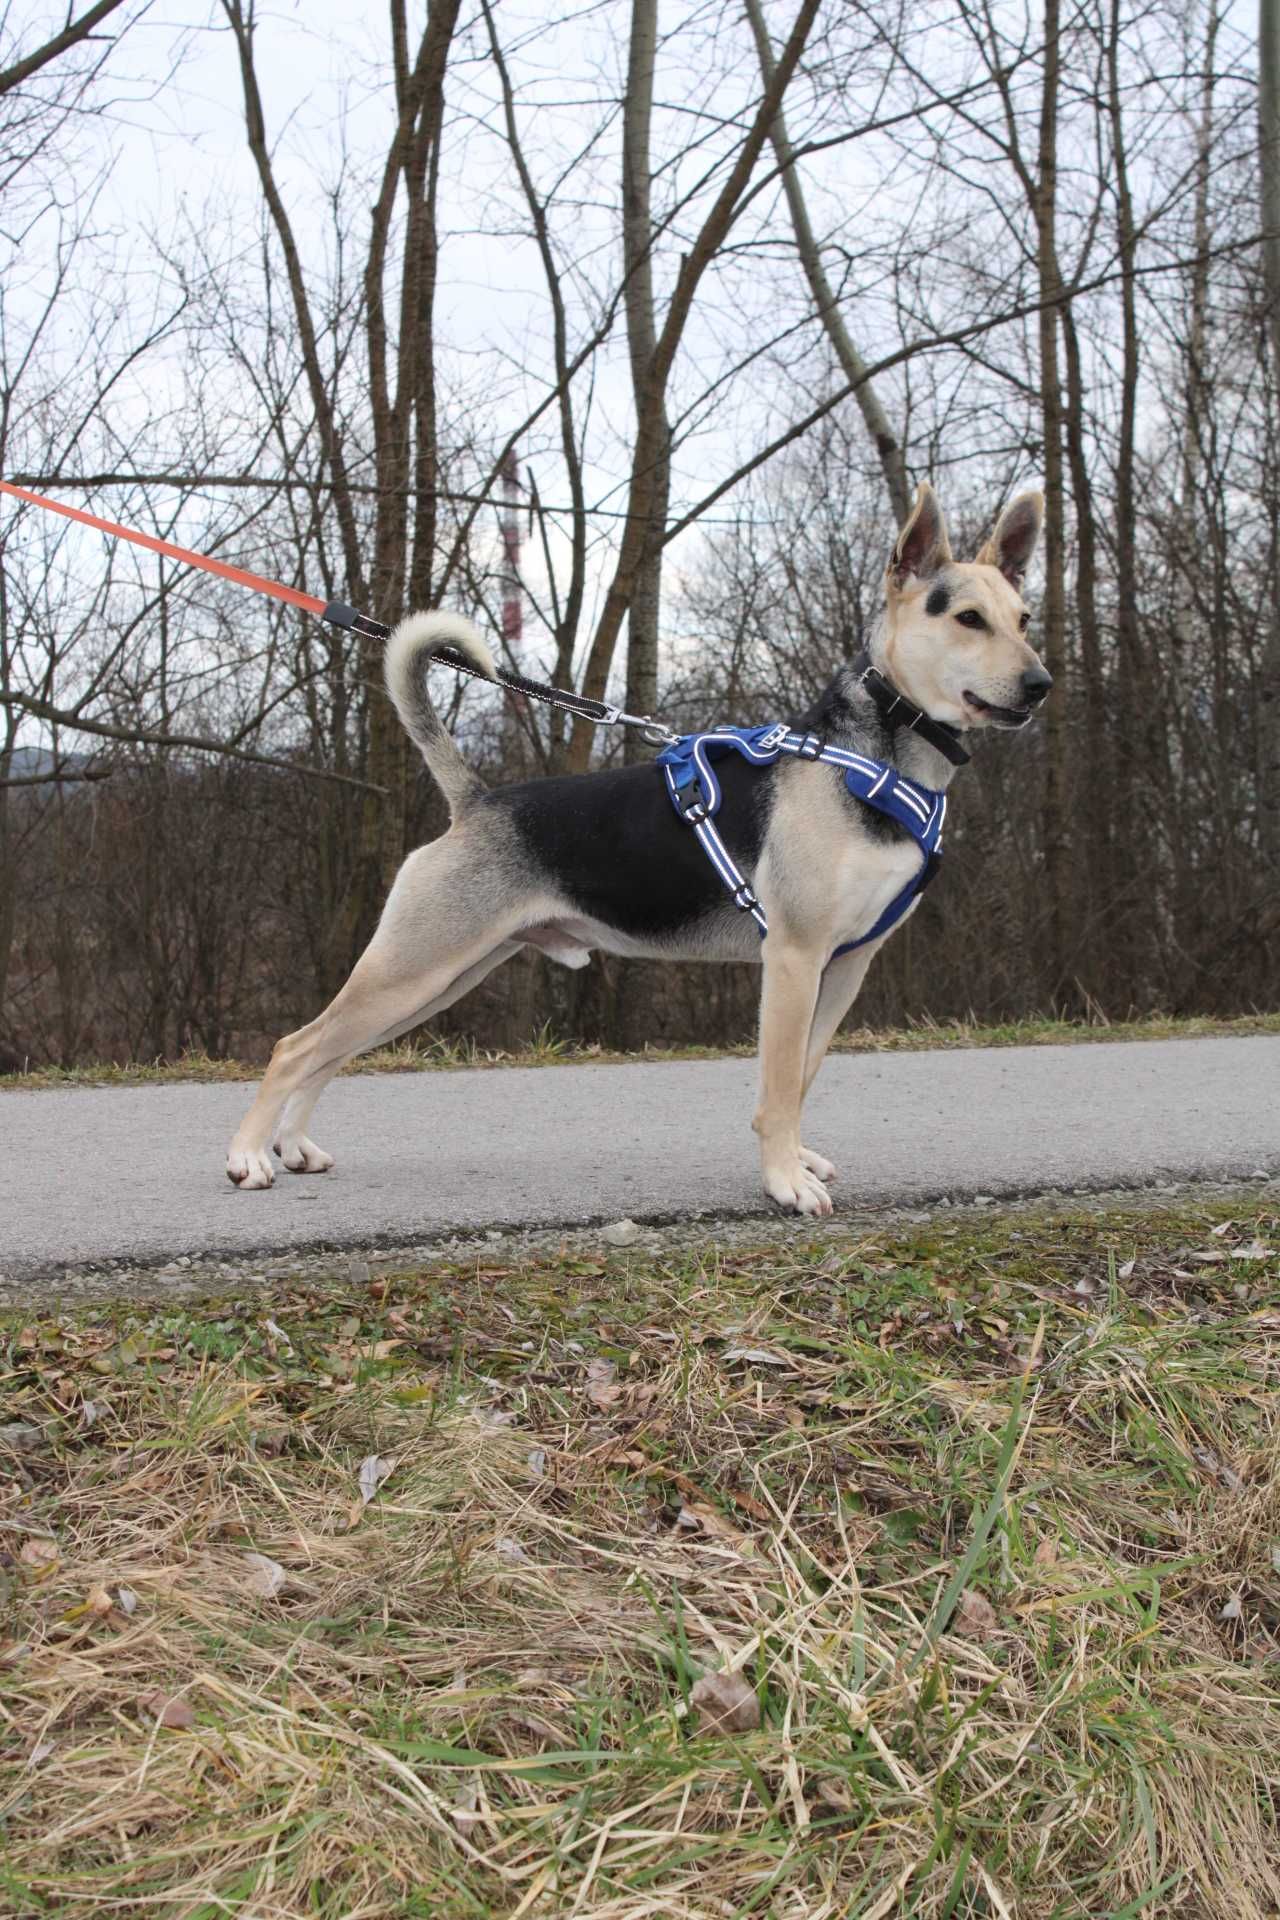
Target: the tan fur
(988, 661)
(462, 905)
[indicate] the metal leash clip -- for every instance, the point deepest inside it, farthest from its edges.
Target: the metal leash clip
(652, 730)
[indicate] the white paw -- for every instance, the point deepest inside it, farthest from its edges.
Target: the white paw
(248, 1167)
(816, 1164)
(792, 1185)
(301, 1155)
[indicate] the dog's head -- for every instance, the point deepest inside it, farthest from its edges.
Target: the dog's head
(955, 631)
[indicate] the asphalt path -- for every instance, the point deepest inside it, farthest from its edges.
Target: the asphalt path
(134, 1174)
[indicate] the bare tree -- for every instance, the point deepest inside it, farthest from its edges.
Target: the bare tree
(1269, 180)
(644, 612)
(850, 361)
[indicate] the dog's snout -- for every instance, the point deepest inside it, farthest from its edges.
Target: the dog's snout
(1035, 685)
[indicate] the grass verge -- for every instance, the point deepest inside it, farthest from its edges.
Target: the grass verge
(937, 1575)
(545, 1050)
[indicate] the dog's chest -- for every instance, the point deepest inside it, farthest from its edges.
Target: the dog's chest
(829, 868)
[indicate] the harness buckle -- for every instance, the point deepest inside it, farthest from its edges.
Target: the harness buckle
(693, 808)
(810, 748)
(743, 898)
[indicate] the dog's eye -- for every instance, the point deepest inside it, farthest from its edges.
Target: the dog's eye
(1025, 621)
(971, 618)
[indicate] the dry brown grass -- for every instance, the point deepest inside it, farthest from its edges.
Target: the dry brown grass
(543, 1049)
(991, 1532)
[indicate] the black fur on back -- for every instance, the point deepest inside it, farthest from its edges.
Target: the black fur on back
(614, 842)
(616, 847)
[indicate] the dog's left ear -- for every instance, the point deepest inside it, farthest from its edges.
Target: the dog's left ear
(1014, 541)
(922, 546)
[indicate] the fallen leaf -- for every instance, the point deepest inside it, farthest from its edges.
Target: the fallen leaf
(279, 1335)
(268, 1576)
(1046, 1554)
(374, 1469)
(834, 1793)
(511, 1550)
(126, 1600)
(536, 1461)
(728, 1704)
(1232, 1610)
(97, 1601)
(757, 1356)
(463, 1811)
(602, 1383)
(41, 1556)
(381, 1348)
(41, 1752)
(169, 1710)
(974, 1615)
(1125, 1270)
(699, 1516)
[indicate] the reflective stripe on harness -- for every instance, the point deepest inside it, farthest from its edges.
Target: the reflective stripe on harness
(688, 769)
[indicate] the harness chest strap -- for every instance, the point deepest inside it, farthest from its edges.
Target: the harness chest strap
(688, 770)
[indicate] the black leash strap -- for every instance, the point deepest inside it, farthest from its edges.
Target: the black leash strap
(598, 712)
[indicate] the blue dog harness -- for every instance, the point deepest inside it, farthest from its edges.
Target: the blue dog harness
(687, 767)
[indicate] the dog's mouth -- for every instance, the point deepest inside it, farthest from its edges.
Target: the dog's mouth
(999, 716)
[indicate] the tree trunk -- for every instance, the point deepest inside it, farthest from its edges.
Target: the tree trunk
(1269, 176)
(405, 450)
(651, 431)
(1053, 611)
(1096, 883)
(1137, 675)
(852, 365)
(637, 255)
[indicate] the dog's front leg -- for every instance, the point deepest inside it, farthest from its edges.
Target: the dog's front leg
(788, 998)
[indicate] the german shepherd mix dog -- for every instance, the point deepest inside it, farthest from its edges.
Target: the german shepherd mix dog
(603, 860)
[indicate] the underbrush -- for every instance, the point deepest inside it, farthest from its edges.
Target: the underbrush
(937, 1575)
(545, 1049)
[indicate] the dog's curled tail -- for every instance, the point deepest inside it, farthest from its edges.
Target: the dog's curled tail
(405, 664)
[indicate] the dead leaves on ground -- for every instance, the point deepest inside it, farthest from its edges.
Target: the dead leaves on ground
(726, 1703)
(168, 1710)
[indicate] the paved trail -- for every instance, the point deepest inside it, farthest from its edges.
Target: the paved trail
(135, 1173)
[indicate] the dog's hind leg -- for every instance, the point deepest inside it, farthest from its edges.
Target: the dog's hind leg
(299, 1154)
(447, 920)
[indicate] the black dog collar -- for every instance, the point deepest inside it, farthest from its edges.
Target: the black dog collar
(896, 708)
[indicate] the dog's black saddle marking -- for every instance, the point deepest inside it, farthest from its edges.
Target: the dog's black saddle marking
(613, 843)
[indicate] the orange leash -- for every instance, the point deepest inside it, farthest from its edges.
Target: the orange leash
(338, 614)
(275, 588)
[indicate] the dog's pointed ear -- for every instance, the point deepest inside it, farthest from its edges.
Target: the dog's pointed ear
(1014, 541)
(922, 546)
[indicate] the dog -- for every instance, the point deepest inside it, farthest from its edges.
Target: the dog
(601, 860)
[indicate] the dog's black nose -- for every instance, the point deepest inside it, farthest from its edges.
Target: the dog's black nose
(1035, 685)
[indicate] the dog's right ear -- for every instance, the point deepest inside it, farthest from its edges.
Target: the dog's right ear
(922, 546)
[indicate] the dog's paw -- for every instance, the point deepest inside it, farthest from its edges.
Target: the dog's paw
(792, 1185)
(816, 1164)
(249, 1168)
(301, 1155)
